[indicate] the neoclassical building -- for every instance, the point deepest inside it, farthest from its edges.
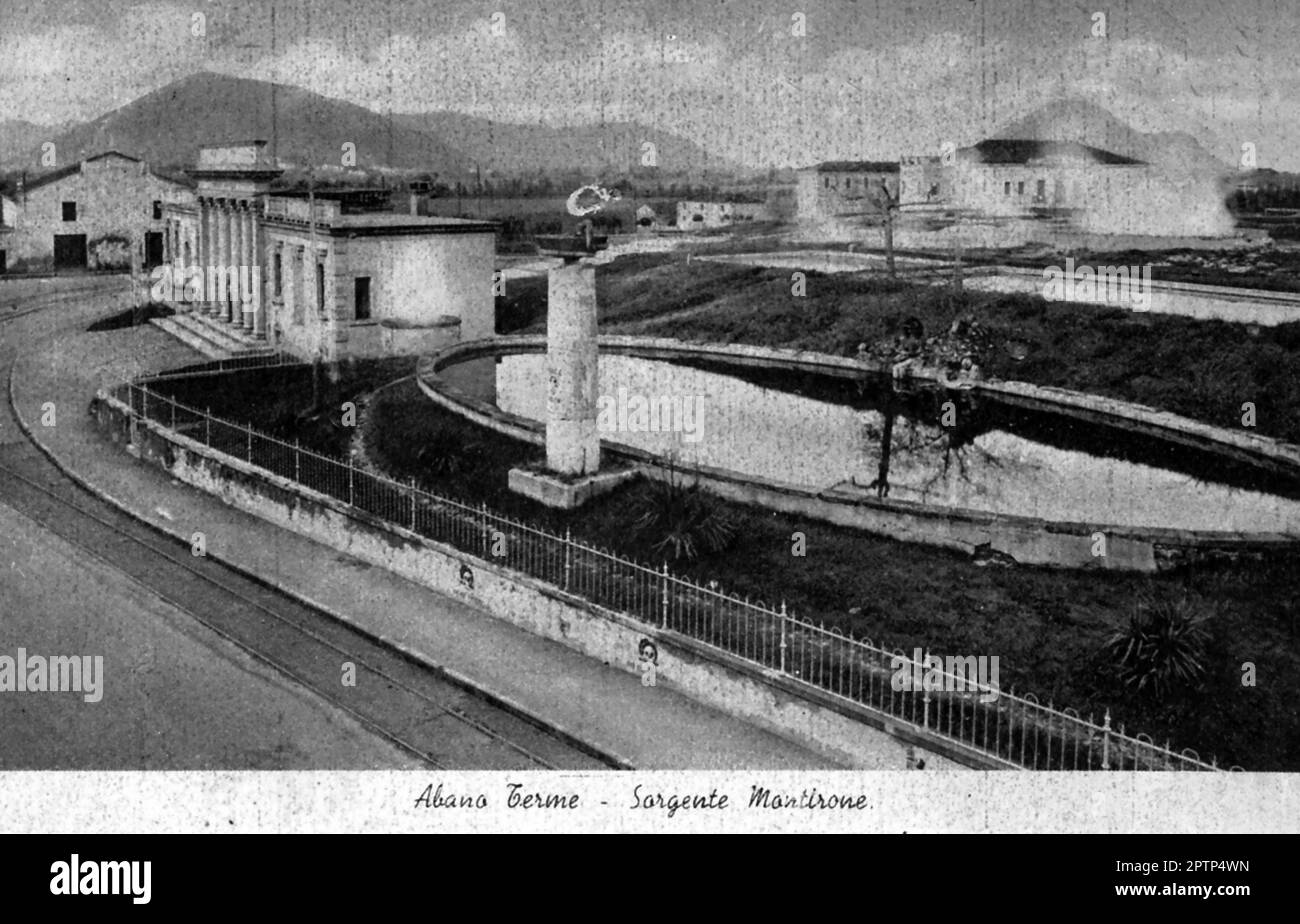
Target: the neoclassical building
(324, 275)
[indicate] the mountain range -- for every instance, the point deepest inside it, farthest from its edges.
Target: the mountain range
(168, 125)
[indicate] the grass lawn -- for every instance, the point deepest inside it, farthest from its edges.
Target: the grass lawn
(1204, 370)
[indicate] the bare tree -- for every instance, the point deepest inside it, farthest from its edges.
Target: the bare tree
(888, 203)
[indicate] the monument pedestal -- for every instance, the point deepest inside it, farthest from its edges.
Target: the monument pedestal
(566, 492)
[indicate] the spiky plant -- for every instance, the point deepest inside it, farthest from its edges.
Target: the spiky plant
(681, 519)
(1163, 646)
(445, 454)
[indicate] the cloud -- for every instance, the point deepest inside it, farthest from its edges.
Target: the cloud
(761, 96)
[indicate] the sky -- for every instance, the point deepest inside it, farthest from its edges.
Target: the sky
(759, 81)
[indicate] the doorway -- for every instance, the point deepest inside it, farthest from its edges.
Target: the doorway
(69, 251)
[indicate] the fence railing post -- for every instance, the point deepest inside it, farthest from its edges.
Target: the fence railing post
(783, 642)
(351, 482)
(207, 427)
(413, 505)
(297, 460)
(664, 619)
(568, 555)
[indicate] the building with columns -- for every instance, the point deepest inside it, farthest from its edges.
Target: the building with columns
(318, 275)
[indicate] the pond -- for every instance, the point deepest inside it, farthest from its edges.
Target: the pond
(929, 444)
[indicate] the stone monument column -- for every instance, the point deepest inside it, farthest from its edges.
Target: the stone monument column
(572, 440)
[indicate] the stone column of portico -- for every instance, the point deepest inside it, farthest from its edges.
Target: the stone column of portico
(252, 301)
(200, 253)
(209, 258)
(221, 258)
(236, 315)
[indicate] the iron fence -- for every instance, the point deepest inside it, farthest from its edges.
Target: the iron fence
(1016, 730)
(231, 364)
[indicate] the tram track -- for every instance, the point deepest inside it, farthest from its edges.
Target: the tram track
(443, 721)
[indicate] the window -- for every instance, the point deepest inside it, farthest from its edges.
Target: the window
(279, 274)
(1006, 188)
(362, 291)
(848, 182)
(1020, 188)
(1042, 189)
(320, 288)
(826, 182)
(157, 209)
(69, 211)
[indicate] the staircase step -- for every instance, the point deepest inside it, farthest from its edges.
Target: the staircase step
(208, 331)
(191, 339)
(211, 336)
(235, 339)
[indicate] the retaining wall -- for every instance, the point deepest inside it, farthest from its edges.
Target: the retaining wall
(1029, 540)
(839, 729)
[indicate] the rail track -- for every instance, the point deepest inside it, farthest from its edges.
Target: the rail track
(11, 308)
(444, 723)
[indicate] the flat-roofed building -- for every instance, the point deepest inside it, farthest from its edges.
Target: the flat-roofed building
(722, 213)
(844, 189)
(322, 273)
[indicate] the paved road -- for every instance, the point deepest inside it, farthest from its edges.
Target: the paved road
(203, 669)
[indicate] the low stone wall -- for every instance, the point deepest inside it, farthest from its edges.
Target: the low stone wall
(1185, 299)
(1029, 540)
(829, 725)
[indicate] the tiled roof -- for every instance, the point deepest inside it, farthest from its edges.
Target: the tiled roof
(857, 166)
(1024, 150)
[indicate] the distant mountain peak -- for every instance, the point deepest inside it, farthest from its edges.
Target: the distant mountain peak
(1080, 120)
(168, 125)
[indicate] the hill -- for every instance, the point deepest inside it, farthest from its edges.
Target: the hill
(1088, 123)
(515, 149)
(168, 125)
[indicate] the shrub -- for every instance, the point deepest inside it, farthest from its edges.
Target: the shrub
(682, 518)
(1162, 648)
(446, 453)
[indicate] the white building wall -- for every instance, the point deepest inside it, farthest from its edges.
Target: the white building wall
(822, 195)
(114, 197)
(417, 278)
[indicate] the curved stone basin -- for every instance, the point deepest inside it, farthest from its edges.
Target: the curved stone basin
(998, 459)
